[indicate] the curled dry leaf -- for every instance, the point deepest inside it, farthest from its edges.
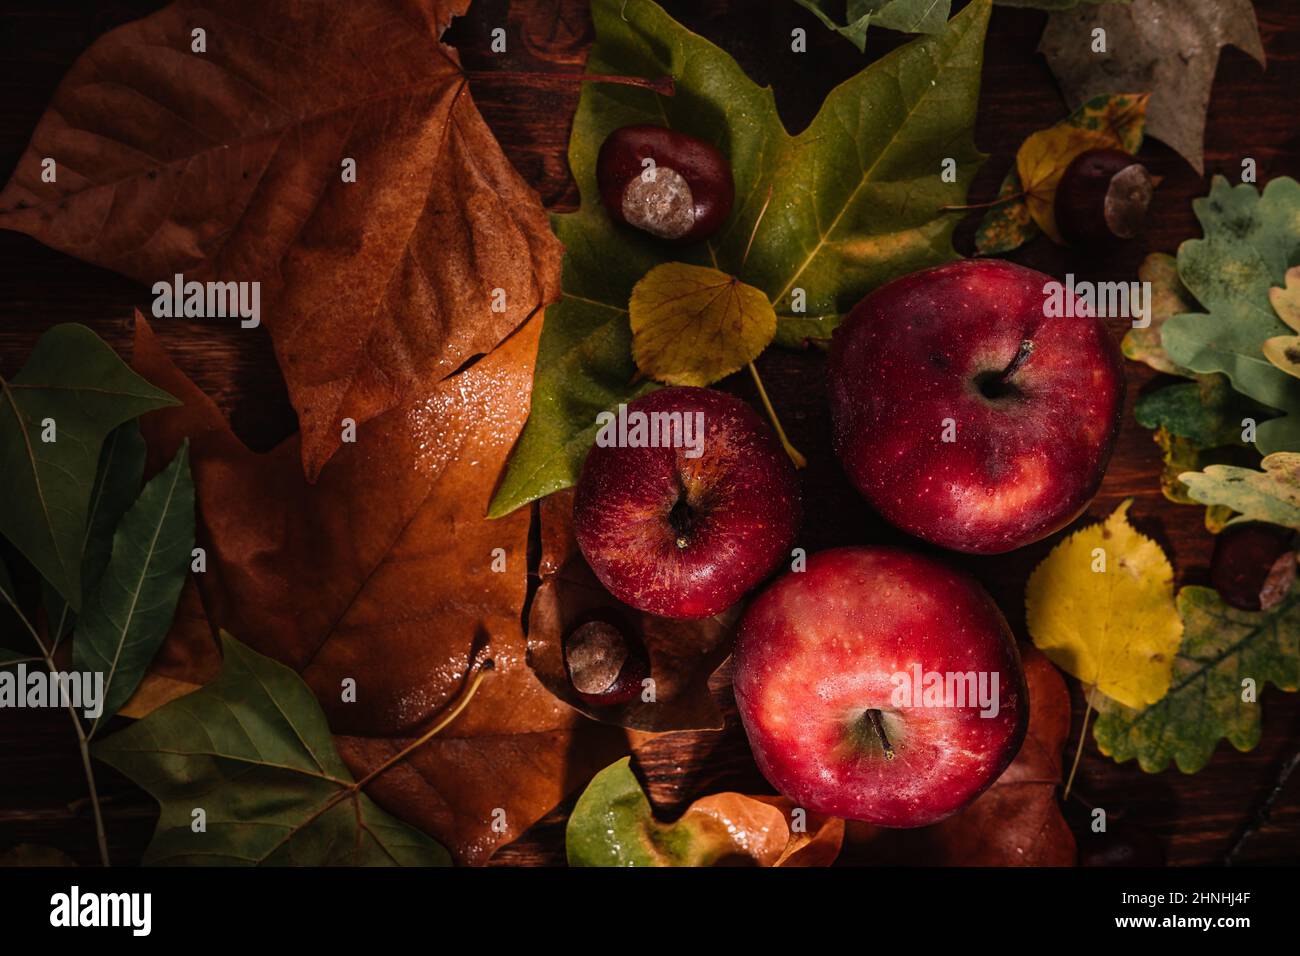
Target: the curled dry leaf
(692, 325)
(1017, 821)
(1169, 297)
(683, 654)
(392, 586)
(612, 824)
(226, 164)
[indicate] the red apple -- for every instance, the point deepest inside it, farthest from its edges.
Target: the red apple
(684, 532)
(823, 659)
(965, 415)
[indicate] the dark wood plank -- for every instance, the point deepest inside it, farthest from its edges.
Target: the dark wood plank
(1252, 113)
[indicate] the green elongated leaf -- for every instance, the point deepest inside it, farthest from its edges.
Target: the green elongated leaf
(253, 750)
(1208, 412)
(851, 202)
(117, 483)
(129, 613)
(906, 16)
(75, 384)
(9, 616)
(1222, 647)
(1250, 239)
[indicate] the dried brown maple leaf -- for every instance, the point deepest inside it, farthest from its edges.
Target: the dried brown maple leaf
(227, 164)
(382, 571)
(683, 654)
(1017, 821)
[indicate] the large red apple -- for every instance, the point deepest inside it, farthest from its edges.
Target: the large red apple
(968, 417)
(835, 679)
(684, 532)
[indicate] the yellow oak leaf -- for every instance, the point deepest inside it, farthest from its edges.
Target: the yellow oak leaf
(1284, 350)
(692, 325)
(1101, 607)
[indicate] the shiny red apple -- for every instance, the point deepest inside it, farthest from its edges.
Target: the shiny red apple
(968, 415)
(879, 685)
(685, 502)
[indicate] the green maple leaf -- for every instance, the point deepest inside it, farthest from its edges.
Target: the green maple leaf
(848, 204)
(253, 750)
(1250, 240)
(906, 16)
(1221, 648)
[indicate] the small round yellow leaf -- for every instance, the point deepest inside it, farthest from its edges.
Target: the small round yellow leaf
(692, 325)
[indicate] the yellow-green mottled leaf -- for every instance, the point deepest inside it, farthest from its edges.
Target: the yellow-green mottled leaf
(612, 824)
(1101, 606)
(692, 325)
(1222, 649)
(1271, 495)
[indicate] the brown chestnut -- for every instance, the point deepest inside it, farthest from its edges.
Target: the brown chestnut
(604, 667)
(1254, 565)
(663, 182)
(1103, 195)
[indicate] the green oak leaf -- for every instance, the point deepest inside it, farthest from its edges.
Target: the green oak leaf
(1250, 240)
(1221, 647)
(117, 483)
(1208, 412)
(1271, 495)
(905, 16)
(253, 749)
(846, 205)
(75, 381)
(126, 617)
(1168, 298)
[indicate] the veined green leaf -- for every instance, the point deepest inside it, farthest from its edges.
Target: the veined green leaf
(1222, 647)
(75, 389)
(253, 751)
(129, 613)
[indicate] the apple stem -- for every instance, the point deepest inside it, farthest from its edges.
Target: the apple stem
(878, 725)
(1078, 751)
(799, 460)
(1026, 349)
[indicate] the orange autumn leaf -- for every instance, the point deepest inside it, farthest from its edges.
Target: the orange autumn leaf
(233, 163)
(381, 573)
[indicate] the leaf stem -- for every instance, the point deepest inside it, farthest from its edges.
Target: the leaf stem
(663, 85)
(484, 669)
(985, 205)
(83, 742)
(799, 460)
(1078, 751)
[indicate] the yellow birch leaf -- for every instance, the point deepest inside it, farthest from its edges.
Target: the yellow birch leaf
(692, 325)
(1101, 607)
(1041, 162)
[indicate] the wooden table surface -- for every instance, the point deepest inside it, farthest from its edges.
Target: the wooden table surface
(1196, 818)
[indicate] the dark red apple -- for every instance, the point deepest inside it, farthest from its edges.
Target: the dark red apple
(821, 662)
(965, 414)
(684, 532)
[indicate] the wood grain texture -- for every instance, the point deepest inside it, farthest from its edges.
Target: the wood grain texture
(1252, 113)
